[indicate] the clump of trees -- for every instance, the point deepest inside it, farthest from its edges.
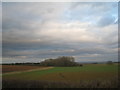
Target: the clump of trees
(109, 62)
(61, 61)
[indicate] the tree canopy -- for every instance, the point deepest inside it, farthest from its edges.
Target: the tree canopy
(60, 61)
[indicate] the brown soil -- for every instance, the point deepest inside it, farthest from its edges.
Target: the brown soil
(14, 68)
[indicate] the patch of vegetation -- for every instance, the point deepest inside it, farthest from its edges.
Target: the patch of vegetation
(64, 61)
(109, 62)
(112, 83)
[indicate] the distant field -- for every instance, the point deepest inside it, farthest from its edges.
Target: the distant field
(64, 73)
(13, 68)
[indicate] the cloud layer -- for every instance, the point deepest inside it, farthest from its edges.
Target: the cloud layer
(35, 31)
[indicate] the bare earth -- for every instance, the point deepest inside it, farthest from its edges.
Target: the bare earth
(11, 69)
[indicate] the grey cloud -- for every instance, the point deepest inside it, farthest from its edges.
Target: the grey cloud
(94, 54)
(36, 30)
(106, 20)
(56, 51)
(101, 58)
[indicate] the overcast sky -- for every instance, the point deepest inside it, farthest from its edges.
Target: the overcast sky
(35, 31)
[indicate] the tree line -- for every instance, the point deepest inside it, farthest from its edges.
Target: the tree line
(64, 61)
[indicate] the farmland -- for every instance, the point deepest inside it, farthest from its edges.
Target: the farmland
(13, 68)
(75, 75)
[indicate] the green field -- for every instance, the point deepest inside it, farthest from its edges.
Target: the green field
(87, 72)
(87, 76)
